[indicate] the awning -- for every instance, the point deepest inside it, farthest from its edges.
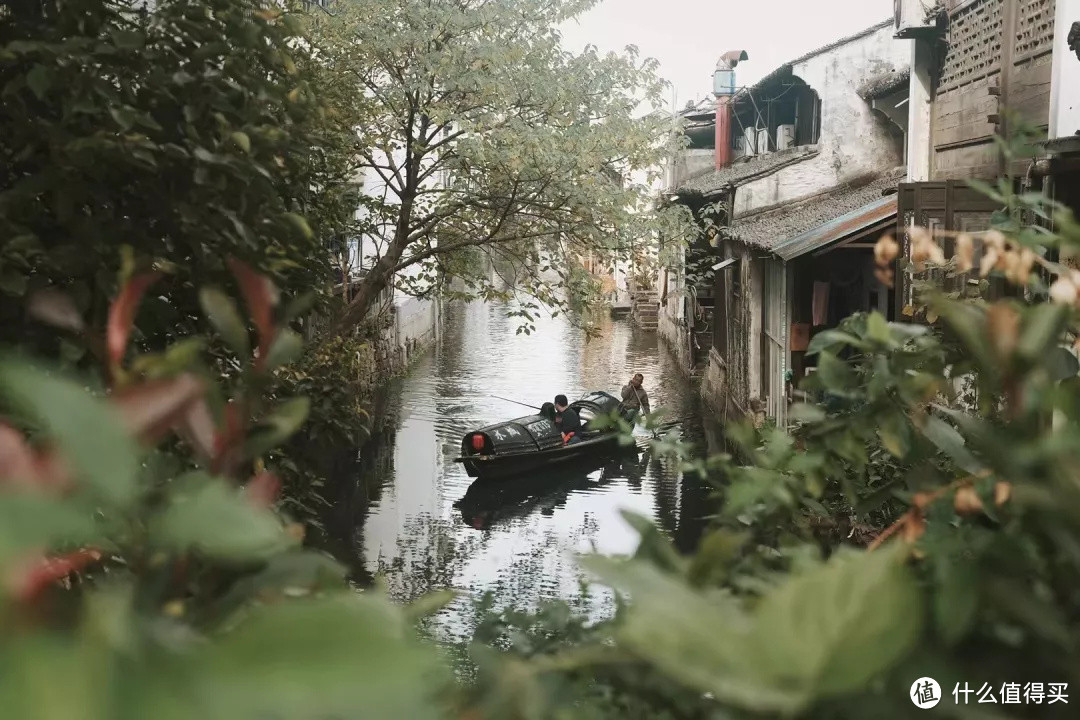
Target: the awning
(857, 222)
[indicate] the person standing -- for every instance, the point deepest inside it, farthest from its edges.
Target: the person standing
(634, 396)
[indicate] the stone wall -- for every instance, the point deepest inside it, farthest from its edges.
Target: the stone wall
(674, 335)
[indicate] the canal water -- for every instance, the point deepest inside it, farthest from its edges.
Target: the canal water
(409, 519)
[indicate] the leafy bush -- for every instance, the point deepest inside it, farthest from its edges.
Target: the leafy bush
(167, 137)
(149, 580)
(921, 519)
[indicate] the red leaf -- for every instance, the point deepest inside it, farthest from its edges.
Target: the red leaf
(263, 489)
(226, 442)
(198, 430)
(261, 297)
(122, 314)
(22, 464)
(153, 408)
(27, 583)
(16, 456)
(51, 471)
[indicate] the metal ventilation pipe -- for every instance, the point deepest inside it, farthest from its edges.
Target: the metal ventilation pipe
(724, 90)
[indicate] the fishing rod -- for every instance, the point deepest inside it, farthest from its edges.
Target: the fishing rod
(531, 407)
(666, 425)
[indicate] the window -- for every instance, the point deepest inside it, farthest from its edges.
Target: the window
(781, 114)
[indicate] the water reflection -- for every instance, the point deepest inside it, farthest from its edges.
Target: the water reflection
(413, 516)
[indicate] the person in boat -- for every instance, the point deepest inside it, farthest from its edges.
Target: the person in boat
(567, 421)
(634, 397)
(547, 410)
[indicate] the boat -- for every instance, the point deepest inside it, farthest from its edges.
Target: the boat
(527, 444)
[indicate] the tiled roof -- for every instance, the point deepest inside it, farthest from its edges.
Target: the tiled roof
(786, 68)
(743, 170)
(884, 84)
(769, 228)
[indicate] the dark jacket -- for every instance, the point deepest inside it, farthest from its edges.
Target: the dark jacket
(568, 421)
(635, 398)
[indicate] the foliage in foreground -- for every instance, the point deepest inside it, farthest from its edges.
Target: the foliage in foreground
(145, 573)
(155, 579)
(922, 519)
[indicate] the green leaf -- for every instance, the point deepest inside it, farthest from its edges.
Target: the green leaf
(286, 348)
(696, 639)
(429, 604)
(654, 546)
(878, 329)
(806, 413)
(278, 426)
(319, 659)
(895, 434)
(39, 80)
(292, 574)
(210, 516)
(826, 339)
(300, 223)
(30, 522)
(241, 140)
(90, 435)
(34, 661)
(179, 357)
(945, 437)
(969, 324)
(832, 630)
(223, 315)
(826, 632)
(834, 374)
(1042, 326)
(956, 597)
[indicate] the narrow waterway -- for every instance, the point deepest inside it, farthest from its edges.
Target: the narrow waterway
(409, 517)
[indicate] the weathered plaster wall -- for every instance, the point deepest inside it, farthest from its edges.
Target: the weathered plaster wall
(673, 333)
(417, 325)
(690, 163)
(854, 139)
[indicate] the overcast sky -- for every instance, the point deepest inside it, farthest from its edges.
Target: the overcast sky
(688, 36)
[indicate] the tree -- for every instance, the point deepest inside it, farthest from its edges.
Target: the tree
(187, 132)
(489, 137)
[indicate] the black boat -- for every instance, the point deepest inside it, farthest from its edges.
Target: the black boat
(527, 444)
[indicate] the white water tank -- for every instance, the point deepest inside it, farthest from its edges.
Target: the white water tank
(762, 140)
(914, 17)
(749, 141)
(740, 147)
(785, 137)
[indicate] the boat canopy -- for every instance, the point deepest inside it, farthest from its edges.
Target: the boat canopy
(533, 432)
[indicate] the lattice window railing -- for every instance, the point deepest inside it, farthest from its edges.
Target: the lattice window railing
(974, 40)
(1034, 29)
